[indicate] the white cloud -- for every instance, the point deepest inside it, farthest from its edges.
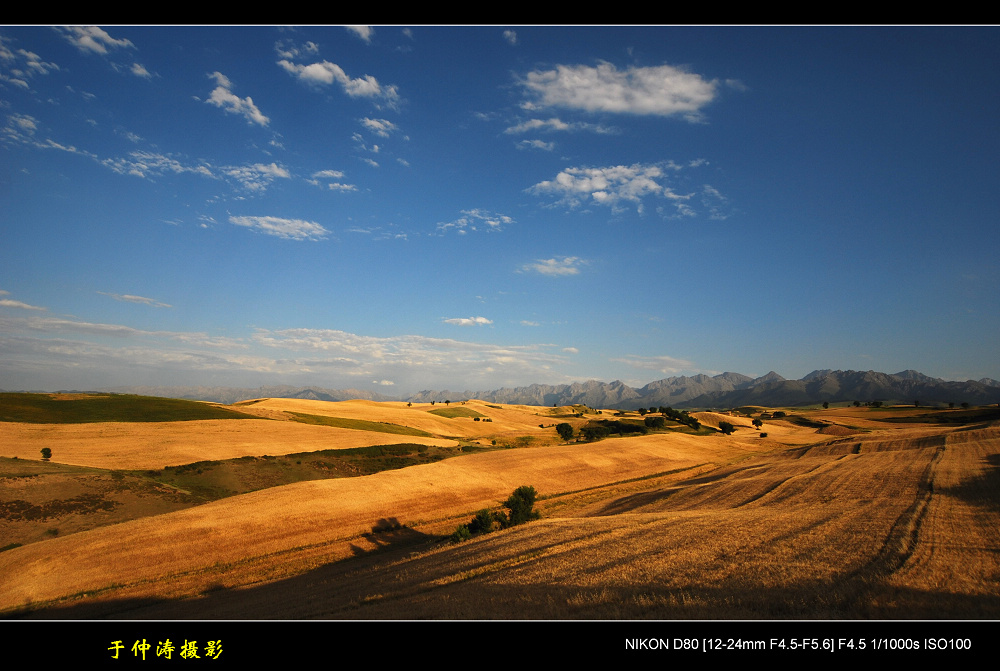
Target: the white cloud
(256, 177)
(290, 229)
(17, 66)
(661, 364)
(380, 127)
(536, 144)
(327, 73)
(131, 298)
(610, 186)
(223, 97)
(144, 163)
(556, 124)
(333, 186)
(510, 36)
(92, 38)
(571, 350)
(566, 265)
(468, 321)
(659, 90)
(10, 303)
(422, 362)
(475, 220)
(364, 32)
(140, 71)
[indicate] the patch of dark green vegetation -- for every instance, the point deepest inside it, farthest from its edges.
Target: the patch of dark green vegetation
(520, 509)
(799, 420)
(10, 546)
(18, 509)
(452, 413)
(358, 424)
(88, 408)
(971, 415)
(212, 480)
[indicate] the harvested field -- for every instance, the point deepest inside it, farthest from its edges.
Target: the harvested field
(153, 445)
(893, 522)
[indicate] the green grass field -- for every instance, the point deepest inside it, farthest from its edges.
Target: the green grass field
(83, 409)
(359, 424)
(452, 413)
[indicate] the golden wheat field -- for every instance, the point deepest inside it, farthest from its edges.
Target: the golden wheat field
(873, 520)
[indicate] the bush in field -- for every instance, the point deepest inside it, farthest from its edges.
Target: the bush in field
(462, 533)
(565, 430)
(726, 428)
(520, 506)
(46, 453)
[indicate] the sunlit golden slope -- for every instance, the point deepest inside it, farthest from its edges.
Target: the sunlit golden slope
(317, 512)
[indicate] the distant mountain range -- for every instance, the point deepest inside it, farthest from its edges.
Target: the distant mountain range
(727, 390)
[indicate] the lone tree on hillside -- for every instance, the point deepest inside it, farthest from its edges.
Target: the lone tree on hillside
(46, 453)
(520, 505)
(565, 430)
(726, 428)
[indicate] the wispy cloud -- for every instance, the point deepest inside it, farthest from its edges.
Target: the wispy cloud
(661, 364)
(223, 97)
(468, 321)
(555, 267)
(475, 220)
(325, 73)
(380, 127)
(324, 177)
(510, 36)
(93, 39)
(11, 303)
(290, 229)
(17, 66)
(658, 90)
(364, 32)
(131, 298)
(536, 144)
(419, 360)
(610, 186)
(556, 124)
(258, 176)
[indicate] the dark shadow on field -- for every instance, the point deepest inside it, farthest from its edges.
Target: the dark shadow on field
(391, 541)
(982, 491)
(379, 587)
(386, 533)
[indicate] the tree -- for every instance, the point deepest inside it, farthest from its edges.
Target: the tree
(726, 428)
(46, 453)
(565, 430)
(826, 404)
(757, 422)
(520, 505)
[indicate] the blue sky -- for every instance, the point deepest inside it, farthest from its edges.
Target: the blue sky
(466, 208)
